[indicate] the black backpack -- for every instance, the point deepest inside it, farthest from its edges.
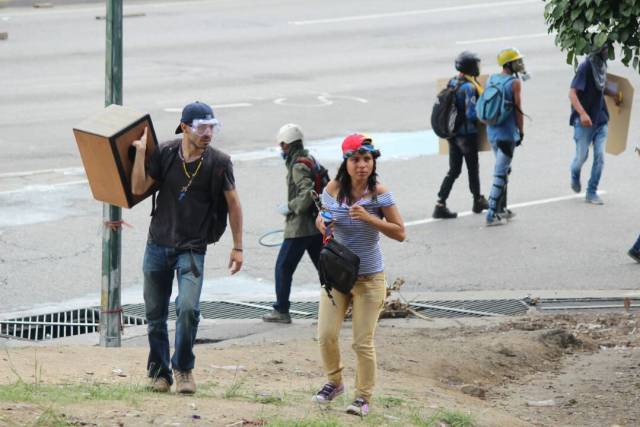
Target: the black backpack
(444, 115)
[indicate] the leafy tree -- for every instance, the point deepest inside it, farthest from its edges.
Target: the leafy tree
(581, 25)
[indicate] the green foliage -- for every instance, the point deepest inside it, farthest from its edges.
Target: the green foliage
(305, 422)
(582, 25)
(69, 393)
(449, 417)
(50, 419)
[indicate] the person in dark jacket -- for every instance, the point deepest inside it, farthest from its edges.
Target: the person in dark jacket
(464, 146)
(300, 232)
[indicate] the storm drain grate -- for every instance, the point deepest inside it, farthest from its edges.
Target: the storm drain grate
(61, 324)
(564, 304)
(86, 320)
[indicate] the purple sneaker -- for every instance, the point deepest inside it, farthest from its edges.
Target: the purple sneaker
(358, 407)
(328, 392)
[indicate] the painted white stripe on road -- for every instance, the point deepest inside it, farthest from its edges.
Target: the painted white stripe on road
(216, 107)
(513, 206)
(44, 187)
(411, 12)
(64, 171)
(505, 38)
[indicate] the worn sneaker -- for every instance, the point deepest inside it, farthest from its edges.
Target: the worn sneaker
(495, 219)
(328, 392)
(480, 204)
(575, 185)
(594, 199)
(634, 254)
(276, 317)
(185, 383)
(159, 385)
(441, 211)
(358, 407)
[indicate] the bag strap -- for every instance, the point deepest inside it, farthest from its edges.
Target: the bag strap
(173, 153)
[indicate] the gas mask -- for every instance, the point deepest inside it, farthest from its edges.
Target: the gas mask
(517, 67)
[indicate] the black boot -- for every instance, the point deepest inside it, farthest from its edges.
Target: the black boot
(442, 212)
(479, 204)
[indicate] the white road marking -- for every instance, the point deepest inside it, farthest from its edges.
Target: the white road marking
(64, 171)
(324, 101)
(44, 187)
(511, 206)
(215, 107)
(505, 38)
(411, 12)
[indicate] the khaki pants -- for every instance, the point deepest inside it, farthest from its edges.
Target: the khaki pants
(367, 298)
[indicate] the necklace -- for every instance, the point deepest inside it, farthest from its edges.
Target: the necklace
(190, 177)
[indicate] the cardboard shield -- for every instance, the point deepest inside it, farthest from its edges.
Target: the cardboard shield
(483, 142)
(619, 116)
(104, 141)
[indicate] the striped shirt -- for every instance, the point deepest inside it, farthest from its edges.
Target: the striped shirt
(361, 238)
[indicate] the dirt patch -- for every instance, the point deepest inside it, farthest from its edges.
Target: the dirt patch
(577, 370)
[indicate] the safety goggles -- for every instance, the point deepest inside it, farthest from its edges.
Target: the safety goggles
(363, 149)
(203, 126)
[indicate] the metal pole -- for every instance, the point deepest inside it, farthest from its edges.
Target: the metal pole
(111, 309)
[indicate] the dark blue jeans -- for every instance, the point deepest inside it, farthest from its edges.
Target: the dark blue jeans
(290, 255)
(636, 245)
(160, 263)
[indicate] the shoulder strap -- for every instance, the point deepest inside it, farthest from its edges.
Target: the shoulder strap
(172, 149)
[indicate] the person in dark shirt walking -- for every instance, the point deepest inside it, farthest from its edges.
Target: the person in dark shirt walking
(196, 189)
(590, 118)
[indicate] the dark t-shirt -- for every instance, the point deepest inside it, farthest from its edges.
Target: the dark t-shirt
(183, 224)
(590, 97)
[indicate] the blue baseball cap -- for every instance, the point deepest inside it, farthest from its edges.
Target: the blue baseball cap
(195, 111)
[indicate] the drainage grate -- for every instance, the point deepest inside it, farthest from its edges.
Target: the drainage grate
(563, 304)
(57, 325)
(86, 320)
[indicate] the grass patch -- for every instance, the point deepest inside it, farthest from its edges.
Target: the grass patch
(451, 417)
(305, 422)
(69, 393)
(235, 388)
(390, 401)
(269, 399)
(51, 419)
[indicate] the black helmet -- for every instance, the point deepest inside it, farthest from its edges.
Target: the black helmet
(468, 63)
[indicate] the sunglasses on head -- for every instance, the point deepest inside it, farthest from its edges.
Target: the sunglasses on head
(363, 149)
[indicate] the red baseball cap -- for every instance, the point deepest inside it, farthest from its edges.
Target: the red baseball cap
(358, 142)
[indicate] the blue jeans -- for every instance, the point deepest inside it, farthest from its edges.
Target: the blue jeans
(596, 135)
(290, 255)
(636, 245)
(504, 155)
(159, 265)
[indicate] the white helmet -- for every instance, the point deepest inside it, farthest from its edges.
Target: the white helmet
(289, 133)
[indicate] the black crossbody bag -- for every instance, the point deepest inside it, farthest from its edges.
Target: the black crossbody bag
(338, 267)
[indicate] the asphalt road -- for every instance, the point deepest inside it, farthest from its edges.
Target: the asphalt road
(333, 67)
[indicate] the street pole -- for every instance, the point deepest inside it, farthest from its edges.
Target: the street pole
(110, 304)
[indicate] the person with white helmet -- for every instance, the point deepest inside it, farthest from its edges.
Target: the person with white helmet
(300, 232)
(506, 134)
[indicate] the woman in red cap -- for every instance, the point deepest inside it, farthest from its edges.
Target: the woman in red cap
(362, 208)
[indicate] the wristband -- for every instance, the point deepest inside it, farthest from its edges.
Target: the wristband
(237, 249)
